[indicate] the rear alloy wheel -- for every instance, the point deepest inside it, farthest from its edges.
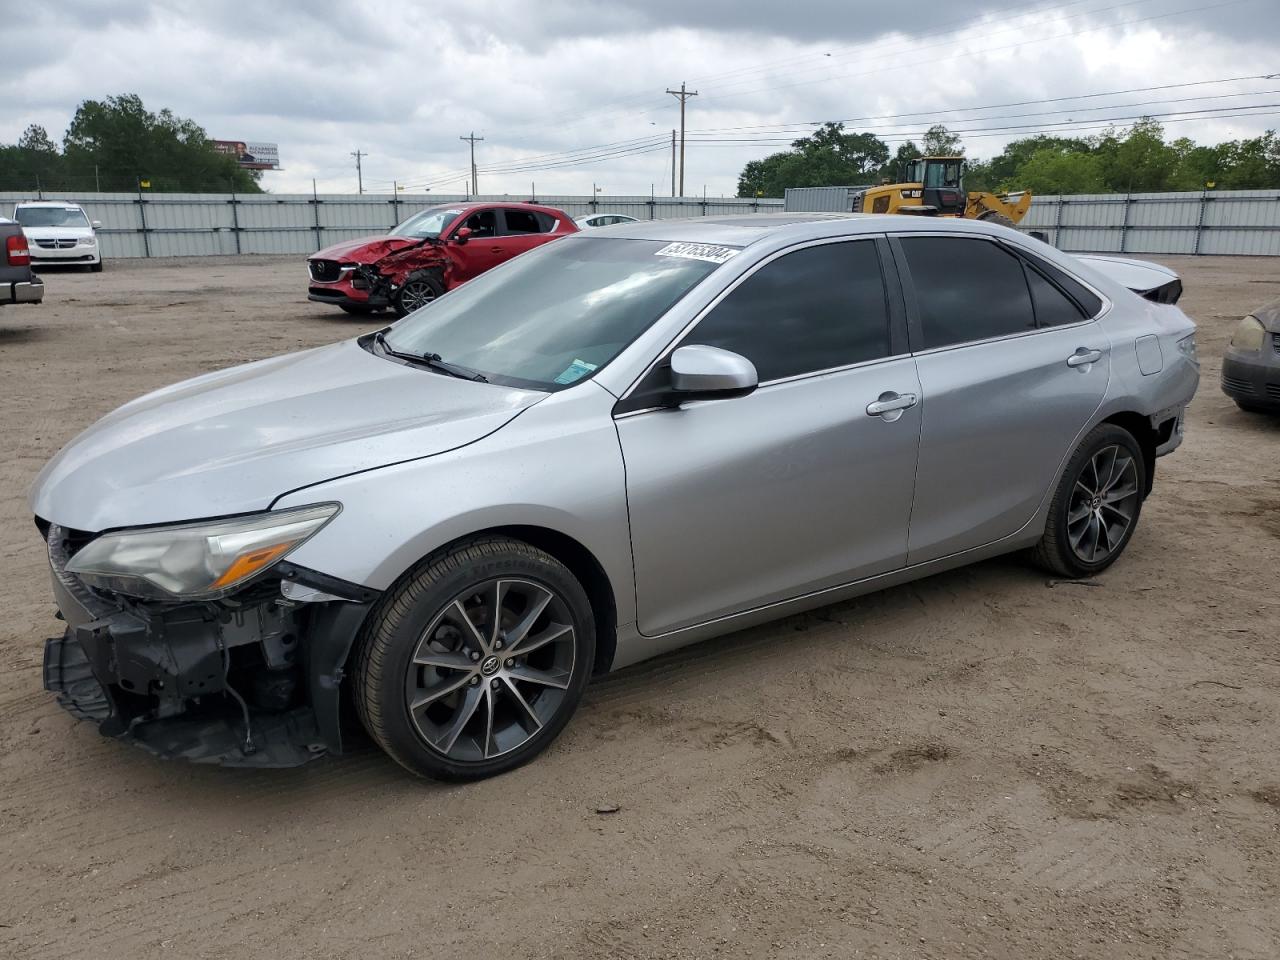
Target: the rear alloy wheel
(1096, 506)
(418, 289)
(476, 663)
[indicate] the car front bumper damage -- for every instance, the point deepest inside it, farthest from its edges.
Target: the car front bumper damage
(251, 681)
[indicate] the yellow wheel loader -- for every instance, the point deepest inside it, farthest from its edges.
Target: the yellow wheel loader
(934, 187)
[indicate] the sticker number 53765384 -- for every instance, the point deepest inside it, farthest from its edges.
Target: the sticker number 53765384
(698, 251)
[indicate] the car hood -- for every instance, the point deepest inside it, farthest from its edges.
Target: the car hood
(233, 441)
(52, 233)
(363, 249)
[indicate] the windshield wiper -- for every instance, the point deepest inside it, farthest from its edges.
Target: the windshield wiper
(432, 361)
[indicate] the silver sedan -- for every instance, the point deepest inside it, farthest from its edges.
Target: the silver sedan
(610, 447)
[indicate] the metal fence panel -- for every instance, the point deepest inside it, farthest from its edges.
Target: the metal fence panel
(1241, 222)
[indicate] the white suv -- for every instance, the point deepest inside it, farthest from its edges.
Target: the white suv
(59, 232)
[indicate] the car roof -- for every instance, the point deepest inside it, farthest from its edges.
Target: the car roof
(464, 206)
(48, 203)
(745, 229)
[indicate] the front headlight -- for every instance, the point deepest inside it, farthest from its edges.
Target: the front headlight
(88, 241)
(1249, 336)
(196, 561)
(1187, 347)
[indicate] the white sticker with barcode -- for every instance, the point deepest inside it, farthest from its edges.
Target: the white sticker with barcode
(698, 251)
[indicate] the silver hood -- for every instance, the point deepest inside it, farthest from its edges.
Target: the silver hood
(235, 440)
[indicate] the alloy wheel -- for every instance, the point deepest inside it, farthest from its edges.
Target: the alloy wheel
(415, 294)
(1104, 502)
(491, 669)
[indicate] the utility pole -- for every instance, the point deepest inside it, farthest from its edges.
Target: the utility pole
(673, 163)
(473, 139)
(359, 173)
(682, 95)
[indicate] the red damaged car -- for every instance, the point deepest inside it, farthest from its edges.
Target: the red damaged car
(431, 252)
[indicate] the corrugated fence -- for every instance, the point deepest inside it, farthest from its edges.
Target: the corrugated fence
(1206, 222)
(201, 224)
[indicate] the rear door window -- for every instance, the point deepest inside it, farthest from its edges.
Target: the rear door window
(966, 289)
(523, 221)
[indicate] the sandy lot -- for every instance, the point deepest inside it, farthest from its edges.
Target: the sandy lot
(977, 765)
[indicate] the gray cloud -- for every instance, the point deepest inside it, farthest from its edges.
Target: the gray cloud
(402, 81)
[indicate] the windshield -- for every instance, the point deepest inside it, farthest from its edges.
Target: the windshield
(428, 223)
(51, 217)
(555, 315)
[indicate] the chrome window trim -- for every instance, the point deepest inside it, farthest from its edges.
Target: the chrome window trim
(822, 241)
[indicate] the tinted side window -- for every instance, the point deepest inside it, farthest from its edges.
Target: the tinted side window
(1086, 298)
(522, 221)
(967, 289)
(814, 309)
(1053, 307)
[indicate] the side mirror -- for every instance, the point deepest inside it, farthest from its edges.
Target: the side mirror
(462, 235)
(95, 224)
(699, 372)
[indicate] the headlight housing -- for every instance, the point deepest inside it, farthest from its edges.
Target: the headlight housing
(196, 561)
(1249, 335)
(1187, 347)
(88, 241)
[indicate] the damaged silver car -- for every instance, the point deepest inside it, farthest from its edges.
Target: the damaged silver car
(607, 448)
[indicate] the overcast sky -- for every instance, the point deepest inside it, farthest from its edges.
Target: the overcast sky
(541, 78)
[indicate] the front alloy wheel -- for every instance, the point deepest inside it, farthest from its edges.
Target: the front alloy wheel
(475, 661)
(491, 670)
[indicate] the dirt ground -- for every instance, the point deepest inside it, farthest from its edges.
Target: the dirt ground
(977, 765)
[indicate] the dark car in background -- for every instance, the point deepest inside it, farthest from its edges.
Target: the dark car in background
(431, 252)
(18, 284)
(1251, 365)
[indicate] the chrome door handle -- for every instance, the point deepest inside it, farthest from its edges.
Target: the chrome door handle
(1083, 356)
(890, 405)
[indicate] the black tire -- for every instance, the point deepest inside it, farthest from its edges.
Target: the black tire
(1057, 550)
(992, 216)
(95, 267)
(359, 309)
(389, 652)
(419, 289)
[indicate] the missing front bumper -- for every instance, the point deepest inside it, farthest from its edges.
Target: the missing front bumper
(254, 682)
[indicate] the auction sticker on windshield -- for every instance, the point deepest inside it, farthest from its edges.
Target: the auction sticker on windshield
(698, 251)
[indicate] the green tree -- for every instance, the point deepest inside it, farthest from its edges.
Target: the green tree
(941, 142)
(827, 157)
(1054, 171)
(125, 142)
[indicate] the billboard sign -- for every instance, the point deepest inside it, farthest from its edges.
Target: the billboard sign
(251, 156)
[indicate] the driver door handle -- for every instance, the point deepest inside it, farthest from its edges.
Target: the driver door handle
(1082, 356)
(890, 404)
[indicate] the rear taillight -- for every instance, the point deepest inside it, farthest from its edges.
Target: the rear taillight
(17, 252)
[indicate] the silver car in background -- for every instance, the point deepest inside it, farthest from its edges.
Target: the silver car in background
(607, 448)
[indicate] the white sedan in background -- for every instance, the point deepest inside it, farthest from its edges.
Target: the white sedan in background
(604, 220)
(59, 232)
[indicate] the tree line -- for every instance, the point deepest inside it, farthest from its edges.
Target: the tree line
(1138, 160)
(114, 143)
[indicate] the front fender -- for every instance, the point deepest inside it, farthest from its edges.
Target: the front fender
(557, 466)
